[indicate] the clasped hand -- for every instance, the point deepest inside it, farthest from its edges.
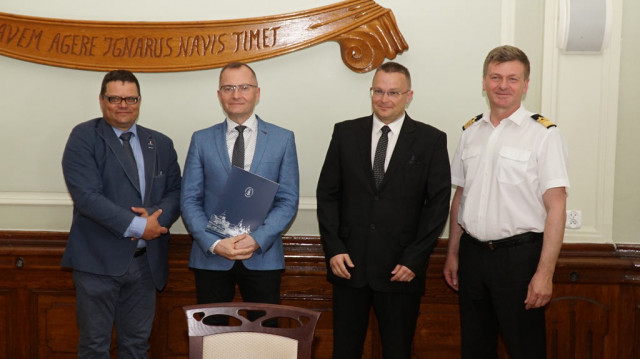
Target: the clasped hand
(240, 247)
(153, 229)
(340, 262)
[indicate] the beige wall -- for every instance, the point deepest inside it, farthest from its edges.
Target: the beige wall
(627, 175)
(308, 91)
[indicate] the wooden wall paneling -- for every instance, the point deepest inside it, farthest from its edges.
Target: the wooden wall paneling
(577, 327)
(437, 331)
(634, 348)
(57, 333)
(169, 338)
(438, 327)
(5, 321)
(595, 310)
(592, 303)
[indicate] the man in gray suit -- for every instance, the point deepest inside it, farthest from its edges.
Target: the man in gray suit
(124, 180)
(253, 261)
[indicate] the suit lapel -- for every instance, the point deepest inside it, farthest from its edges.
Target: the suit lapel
(105, 131)
(363, 145)
(220, 143)
(148, 146)
(402, 149)
(261, 144)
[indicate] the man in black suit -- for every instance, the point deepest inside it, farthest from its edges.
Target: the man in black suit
(383, 197)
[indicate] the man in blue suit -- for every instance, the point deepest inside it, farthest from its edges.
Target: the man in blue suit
(124, 180)
(252, 261)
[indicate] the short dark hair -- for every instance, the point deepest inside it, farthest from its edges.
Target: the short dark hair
(119, 75)
(237, 65)
(395, 67)
(507, 53)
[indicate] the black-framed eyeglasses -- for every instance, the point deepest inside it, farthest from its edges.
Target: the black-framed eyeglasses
(243, 88)
(117, 99)
(376, 92)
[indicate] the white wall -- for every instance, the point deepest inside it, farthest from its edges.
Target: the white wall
(307, 92)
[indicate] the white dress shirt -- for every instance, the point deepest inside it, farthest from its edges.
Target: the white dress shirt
(249, 134)
(395, 127)
(505, 170)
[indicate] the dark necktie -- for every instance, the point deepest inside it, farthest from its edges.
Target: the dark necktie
(237, 158)
(380, 156)
(126, 136)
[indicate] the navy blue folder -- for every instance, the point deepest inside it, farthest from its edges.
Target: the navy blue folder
(243, 204)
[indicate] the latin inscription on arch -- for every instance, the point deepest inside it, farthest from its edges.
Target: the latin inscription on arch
(366, 32)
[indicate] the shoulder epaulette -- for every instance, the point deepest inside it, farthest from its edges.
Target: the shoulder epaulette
(543, 121)
(471, 121)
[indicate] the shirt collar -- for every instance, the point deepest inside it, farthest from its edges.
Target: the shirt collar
(517, 117)
(133, 130)
(394, 126)
(251, 123)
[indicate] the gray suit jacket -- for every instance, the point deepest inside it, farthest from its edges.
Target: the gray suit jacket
(103, 191)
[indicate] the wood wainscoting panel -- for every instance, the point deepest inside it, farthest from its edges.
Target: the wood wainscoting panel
(5, 321)
(57, 333)
(595, 311)
(170, 334)
(437, 331)
(577, 326)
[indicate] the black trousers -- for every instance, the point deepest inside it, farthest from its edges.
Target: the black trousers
(256, 286)
(397, 314)
(493, 284)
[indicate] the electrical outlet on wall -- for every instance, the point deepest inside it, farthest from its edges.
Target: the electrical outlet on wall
(574, 219)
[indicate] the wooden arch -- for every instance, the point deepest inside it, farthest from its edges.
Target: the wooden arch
(367, 34)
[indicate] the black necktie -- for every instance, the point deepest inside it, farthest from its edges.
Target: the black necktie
(126, 136)
(380, 156)
(237, 158)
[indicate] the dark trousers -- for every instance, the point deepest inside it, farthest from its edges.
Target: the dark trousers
(128, 300)
(493, 287)
(258, 286)
(397, 314)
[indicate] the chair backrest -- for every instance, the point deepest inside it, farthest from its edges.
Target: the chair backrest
(245, 338)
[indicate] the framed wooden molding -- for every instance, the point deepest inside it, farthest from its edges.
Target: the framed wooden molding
(367, 34)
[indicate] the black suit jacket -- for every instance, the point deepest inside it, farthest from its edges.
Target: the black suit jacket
(104, 190)
(400, 222)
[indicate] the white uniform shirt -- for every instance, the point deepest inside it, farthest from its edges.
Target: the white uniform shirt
(505, 170)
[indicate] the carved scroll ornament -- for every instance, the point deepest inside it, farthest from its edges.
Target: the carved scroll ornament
(366, 32)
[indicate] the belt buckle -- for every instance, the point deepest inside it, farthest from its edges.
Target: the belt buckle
(491, 245)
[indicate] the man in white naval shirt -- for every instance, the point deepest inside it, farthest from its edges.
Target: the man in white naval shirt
(252, 261)
(507, 216)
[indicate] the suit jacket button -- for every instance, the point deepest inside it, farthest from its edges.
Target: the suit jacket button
(376, 198)
(373, 227)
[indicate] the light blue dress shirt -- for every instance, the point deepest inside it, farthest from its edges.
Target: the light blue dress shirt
(138, 224)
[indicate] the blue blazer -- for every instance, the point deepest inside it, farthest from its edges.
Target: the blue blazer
(205, 174)
(103, 192)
